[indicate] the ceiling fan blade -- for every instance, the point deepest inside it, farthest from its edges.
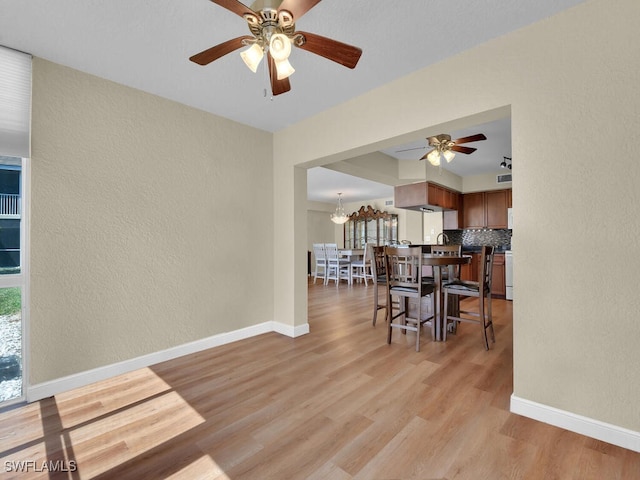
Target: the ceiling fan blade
(467, 150)
(338, 52)
(214, 53)
(297, 8)
(277, 86)
(410, 149)
(472, 138)
(234, 6)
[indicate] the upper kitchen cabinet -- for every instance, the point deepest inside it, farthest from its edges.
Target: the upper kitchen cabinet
(417, 196)
(486, 209)
(473, 210)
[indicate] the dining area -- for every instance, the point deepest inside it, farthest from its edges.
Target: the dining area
(414, 287)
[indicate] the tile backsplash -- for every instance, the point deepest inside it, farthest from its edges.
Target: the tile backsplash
(477, 237)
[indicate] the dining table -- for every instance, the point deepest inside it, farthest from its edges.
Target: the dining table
(439, 263)
(351, 253)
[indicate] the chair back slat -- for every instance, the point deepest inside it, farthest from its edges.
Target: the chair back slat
(319, 251)
(404, 267)
(453, 271)
(453, 250)
(486, 267)
(331, 250)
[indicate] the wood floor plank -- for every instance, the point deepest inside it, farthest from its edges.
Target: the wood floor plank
(338, 403)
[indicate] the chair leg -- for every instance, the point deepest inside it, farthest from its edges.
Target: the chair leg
(483, 321)
(443, 332)
(404, 314)
(493, 334)
(389, 327)
(389, 320)
(418, 324)
(434, 320)
(375, 304)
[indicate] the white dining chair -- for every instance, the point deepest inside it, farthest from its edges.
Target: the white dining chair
(320, 270)
(362, 268)
(337, 268)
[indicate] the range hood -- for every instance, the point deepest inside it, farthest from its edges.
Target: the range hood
(425, 197)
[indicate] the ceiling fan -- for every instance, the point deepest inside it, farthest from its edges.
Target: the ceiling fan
(272, 25)
(444, 146)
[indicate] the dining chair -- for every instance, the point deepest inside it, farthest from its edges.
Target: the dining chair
(363, 268)
(454, 250)
(379, 273)
(480, 289)
(337, 268)
(403, 267)
(320, 270)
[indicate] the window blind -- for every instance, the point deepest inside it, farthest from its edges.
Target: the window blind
(15, 102)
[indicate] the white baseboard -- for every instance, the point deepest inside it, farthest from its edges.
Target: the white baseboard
(59, 385)
(606, 432)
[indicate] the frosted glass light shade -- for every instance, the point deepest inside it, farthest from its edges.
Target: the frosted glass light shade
(448, 155)
(284, 69)
(280, 47)
(434, 157)
(252, 56)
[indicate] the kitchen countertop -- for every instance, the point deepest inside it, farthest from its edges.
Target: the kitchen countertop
(474, 249)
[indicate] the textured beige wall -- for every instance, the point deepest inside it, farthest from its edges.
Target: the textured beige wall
(151, 224)
(571, 83)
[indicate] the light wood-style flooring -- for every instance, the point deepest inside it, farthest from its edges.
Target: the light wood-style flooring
(336, 404)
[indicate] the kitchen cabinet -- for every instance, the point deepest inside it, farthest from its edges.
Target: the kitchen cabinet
(498, 283)
(469, 271)
(473, 210)
(415, 196)
(412, 195)
(485, 209)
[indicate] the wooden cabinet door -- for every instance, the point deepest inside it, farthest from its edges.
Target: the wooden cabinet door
(450, 220)
(496, 209)
(498, 285)
(411, 195)
(469, 271)
(435, 195)
(473, 210)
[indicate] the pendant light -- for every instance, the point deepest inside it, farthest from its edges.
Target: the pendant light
(339, 217)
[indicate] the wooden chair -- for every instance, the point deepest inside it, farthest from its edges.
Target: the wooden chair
(404, 279)
(362, 268)
(320, 270)
(481, 290)
(379, 280)
(337, 268)
(453, 272)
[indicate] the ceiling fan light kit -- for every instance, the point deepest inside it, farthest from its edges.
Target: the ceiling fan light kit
(444, 147)
(271, 22)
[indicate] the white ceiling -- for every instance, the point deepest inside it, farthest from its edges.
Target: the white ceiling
(146, 45)
(323, 184)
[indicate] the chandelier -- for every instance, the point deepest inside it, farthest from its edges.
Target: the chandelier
(339, 217)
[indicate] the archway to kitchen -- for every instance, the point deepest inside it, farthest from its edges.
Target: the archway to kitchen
(361, 176)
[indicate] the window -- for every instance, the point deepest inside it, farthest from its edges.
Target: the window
(15, 114)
